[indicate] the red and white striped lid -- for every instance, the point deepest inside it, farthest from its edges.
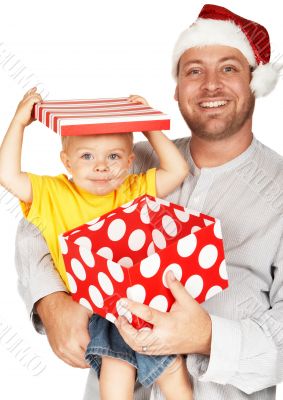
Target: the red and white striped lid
(90, 117)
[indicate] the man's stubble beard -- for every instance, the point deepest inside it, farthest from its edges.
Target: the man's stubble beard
(233, 124)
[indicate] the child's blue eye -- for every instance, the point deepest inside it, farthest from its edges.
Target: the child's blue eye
(114, 156)
(87, 156)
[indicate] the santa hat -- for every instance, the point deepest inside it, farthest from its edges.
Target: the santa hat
(217, 25)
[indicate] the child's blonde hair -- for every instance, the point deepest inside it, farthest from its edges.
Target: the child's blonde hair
(65, 140)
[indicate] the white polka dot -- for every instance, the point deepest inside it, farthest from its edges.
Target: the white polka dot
(159, 239)
(96, 296)
(176, 269)
(105, 252)
(87, 256)
(187, 245)
(153, 205)
(207, 222)
(63, 245)
(110, 317)
(150, 249)
(105, 283)
(110, 215)
(150, 265)
(78, 269)
(223, 270)
(85, 303)
(84, 241)
(144, 215)
(115, 270)
(169, 225)
(162, 201)
(74, 232)
(97, 225)
(182, 216)
(217, 230)
(195, 229)
(123, 311)
(194, 285)
(159, 303)
(130, 209)
(72, 283)
(213, 291)
(136, 293)
(127, 204)
(207, 256)
(93, 221)
(136, 240)
(126, 262)
(116, 230)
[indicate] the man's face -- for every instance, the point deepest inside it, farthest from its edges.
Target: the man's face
(213, 91)
(98, 164)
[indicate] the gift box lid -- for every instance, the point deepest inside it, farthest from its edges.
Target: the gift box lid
(99, 116)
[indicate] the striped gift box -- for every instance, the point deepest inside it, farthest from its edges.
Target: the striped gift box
(88, 117)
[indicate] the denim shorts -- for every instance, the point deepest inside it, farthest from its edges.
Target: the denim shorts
(105, 340)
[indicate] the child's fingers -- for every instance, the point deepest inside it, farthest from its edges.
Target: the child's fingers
(30, 91)
(32, 99)
(137, 99)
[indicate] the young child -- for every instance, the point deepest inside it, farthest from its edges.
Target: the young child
(100, 182)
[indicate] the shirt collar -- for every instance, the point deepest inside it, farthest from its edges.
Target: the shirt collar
(232, 164)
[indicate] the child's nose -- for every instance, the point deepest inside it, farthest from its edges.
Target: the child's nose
(101, 167)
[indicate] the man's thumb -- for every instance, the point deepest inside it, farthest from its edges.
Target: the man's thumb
(177, 289)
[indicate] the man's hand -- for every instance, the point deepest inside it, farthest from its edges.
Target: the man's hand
(185, 329)
(66, 326)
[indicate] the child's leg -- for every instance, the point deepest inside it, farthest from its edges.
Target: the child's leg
(117, 379)
(174, 382)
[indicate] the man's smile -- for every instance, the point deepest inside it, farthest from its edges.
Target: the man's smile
(213, 104)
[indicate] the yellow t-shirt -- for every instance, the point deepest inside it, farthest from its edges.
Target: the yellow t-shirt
(59, 205)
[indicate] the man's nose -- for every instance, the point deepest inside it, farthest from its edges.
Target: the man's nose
(212, 81)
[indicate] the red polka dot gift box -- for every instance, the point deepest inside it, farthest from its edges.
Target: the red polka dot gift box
(97, 116)
(127, 252)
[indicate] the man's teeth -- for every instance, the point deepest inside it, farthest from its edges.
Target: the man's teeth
(213, 104)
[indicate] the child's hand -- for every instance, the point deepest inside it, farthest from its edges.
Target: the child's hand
(24, 109)
(134, 98)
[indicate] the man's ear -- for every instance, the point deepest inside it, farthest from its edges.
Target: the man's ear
(65, 160)
(176, 94)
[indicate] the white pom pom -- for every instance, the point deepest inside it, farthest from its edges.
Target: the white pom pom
(264, 79)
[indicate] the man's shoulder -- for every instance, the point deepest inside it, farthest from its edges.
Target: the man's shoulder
(146, 147)
(271, 161)
(145, 156)
(266, 175)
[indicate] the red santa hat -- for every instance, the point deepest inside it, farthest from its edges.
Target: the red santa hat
(217, 25)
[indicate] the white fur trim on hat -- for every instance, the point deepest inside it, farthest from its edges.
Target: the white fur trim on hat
(264, 79)
(205, 32)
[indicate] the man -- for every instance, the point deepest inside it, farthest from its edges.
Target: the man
(234, 340)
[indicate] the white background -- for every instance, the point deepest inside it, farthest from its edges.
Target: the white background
(90, 49)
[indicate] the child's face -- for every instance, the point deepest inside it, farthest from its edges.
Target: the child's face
(99, 164)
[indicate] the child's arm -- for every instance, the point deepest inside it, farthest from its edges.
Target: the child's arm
(11, 176)
(173, 167)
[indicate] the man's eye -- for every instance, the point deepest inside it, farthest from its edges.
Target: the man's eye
(229, 69)
(87, 156)
(193, 72)
(114, 156)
